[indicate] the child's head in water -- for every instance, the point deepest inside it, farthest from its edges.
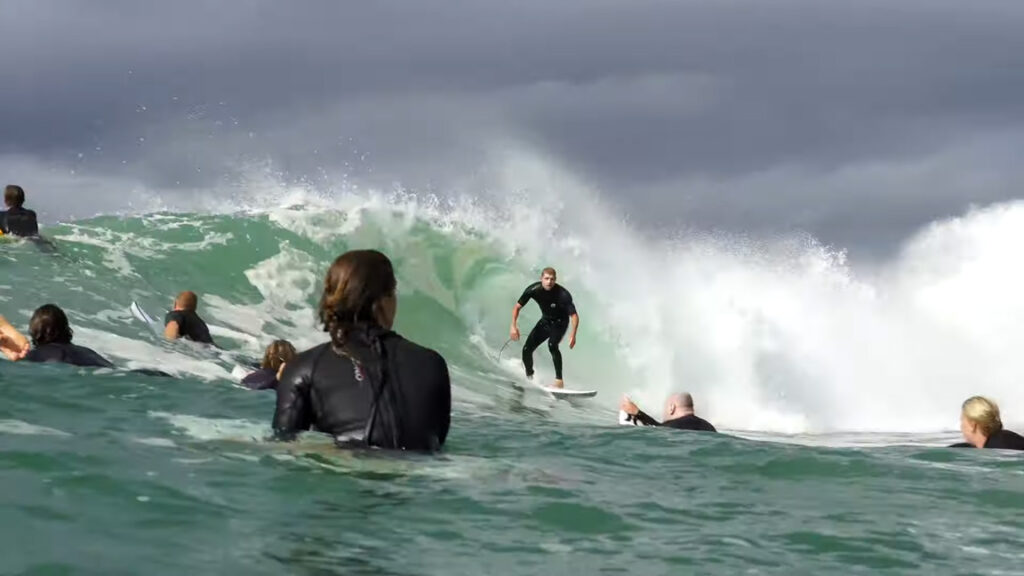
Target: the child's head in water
(279, 352)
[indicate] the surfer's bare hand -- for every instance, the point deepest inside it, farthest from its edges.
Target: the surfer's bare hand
(628, 407)
(513, 333)
(572, 341)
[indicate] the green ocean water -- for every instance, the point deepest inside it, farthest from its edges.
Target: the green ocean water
(110, 472)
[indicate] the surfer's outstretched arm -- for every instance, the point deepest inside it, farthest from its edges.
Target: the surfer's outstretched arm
(636, 413)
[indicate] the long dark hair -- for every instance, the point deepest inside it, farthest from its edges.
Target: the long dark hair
(49, 325)
(355, 289)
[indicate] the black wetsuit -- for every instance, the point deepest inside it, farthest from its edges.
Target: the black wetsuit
(190, 325)
(688, 422)
(262, 379)
(331, 393)
(556, 307)
(19, 222)
(68, 354)
(1004, 440)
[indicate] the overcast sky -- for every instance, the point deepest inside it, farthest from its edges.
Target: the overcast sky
(856, 121)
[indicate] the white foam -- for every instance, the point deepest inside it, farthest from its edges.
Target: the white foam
(199, 428)
(10, 426)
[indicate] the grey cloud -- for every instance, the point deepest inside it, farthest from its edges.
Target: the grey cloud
(744, 115)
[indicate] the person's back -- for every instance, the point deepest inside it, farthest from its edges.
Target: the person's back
(368, 386)
(1005, 440)
(68, 354)
(335, 394)
(689, 422)
(17, 220)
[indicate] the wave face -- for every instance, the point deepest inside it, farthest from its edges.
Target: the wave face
(771, 336)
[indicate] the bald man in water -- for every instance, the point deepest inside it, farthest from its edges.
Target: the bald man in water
(678, 414)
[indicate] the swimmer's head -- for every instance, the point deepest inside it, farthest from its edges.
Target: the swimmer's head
(979, 419)
(277, 353)
(548, 277)
(14, 196)
(187, 301)
(678, 405)
(49, 325)
(359, 289)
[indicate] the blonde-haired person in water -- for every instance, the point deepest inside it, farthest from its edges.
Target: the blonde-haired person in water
(983, 428)
(276, 356)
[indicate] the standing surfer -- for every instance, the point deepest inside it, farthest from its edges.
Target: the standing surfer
(556, 309)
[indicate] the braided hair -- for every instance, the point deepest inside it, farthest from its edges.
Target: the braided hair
(356, 309)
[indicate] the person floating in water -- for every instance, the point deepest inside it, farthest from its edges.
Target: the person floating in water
(982, 426)
(17, 220)
(13, 344)
(368, 386)
(679, 414)
(556, 309)
(51, 340)
(275, 358)
(184, 322)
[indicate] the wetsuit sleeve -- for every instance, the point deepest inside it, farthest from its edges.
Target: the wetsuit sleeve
(645, 419)
(568, 303)
(294, 412)
(528, 293)
(176, 316)
(444, 402)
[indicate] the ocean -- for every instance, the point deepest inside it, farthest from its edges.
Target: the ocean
(836, 389)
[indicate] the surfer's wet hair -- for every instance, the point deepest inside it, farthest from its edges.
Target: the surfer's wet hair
(49, 325)
(14, 196)
(355, 288)
(187, 300)
(984, 413)
(549, 270)
(277, 353)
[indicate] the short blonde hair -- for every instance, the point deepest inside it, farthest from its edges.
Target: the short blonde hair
(984, 413)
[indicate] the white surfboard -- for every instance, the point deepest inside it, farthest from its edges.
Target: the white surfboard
(562, 393)
(568, 392)
(146, 319)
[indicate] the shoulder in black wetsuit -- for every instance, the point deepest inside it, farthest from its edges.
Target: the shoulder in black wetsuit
(190, 325)
(688, 422)
(555, 304)
(1005, 440)
(324, 391)
(68, 354)
(261, 379)
(1002, 440)
(19, 222)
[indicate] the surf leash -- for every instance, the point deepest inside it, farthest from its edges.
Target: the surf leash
(503, 349)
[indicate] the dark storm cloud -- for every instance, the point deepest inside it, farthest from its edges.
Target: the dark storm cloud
(844, 119)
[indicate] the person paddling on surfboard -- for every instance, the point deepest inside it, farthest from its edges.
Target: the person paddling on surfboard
(184, 322)
(556, 309)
